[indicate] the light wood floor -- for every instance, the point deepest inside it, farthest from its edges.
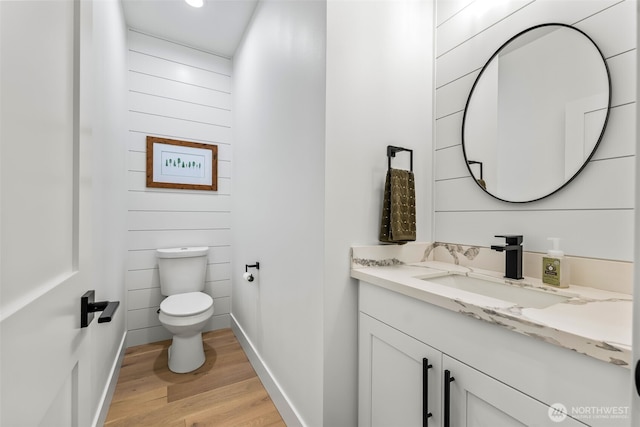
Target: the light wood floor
(225, 391)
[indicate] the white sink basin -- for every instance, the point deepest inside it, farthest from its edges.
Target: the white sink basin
(523, 297)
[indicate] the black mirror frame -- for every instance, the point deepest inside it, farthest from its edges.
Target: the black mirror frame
(604, 126)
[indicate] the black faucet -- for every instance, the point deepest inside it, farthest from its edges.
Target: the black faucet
(513, 258)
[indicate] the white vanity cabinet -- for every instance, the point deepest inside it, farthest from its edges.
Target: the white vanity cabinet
(403, 383)
(498, 380)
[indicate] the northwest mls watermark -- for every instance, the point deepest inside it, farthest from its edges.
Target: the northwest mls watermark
(558, 412)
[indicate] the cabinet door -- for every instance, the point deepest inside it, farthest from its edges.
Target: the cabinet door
(391, 375)
(477, 400)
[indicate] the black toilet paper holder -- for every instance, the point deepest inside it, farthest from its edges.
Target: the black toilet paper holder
(88, 307)
(247, 267)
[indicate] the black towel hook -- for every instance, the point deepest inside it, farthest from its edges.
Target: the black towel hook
(392, 150)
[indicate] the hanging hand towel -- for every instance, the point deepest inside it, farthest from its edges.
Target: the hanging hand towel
(398, 224)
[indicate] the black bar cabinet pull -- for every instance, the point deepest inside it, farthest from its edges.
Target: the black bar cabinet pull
(447, 396)
(425, 391)
(638, 377)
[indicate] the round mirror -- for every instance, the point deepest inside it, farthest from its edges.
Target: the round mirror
(536, 113)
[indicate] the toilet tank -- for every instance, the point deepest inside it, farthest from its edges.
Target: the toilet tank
(182, 269)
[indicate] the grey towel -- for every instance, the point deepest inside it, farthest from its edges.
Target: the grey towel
(398, 222)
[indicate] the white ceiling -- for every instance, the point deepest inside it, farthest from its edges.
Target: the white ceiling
(216, 27)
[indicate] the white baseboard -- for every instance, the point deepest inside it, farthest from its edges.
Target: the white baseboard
(110, 388)
(279, 398)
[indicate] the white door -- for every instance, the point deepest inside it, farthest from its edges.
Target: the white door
(392, 377)
(45, 213)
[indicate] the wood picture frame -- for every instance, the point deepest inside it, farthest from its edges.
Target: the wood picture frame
(184, 165)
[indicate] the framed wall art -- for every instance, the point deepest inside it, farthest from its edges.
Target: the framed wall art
(181, 164)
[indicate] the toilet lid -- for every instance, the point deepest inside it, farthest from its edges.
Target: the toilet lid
(188, 304)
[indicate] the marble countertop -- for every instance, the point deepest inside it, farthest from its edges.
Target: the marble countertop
(590, 321)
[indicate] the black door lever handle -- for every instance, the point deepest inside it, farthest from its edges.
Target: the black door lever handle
(88, 306)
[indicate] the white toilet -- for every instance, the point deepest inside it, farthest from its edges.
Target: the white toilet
(186, 309)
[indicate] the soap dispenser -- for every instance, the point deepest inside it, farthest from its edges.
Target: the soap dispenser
(555, 269)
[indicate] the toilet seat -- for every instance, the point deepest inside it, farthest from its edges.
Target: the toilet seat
(187, 304)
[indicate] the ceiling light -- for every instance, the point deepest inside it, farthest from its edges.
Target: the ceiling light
(195, 3)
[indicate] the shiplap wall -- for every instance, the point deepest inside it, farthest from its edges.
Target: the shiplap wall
(180, 93)
(594, 214)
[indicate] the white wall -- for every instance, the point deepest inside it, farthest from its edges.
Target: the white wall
(594, 214)
(109, 184)
(379, 93)
(279, 91)
(182, 93)
(306, 188)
